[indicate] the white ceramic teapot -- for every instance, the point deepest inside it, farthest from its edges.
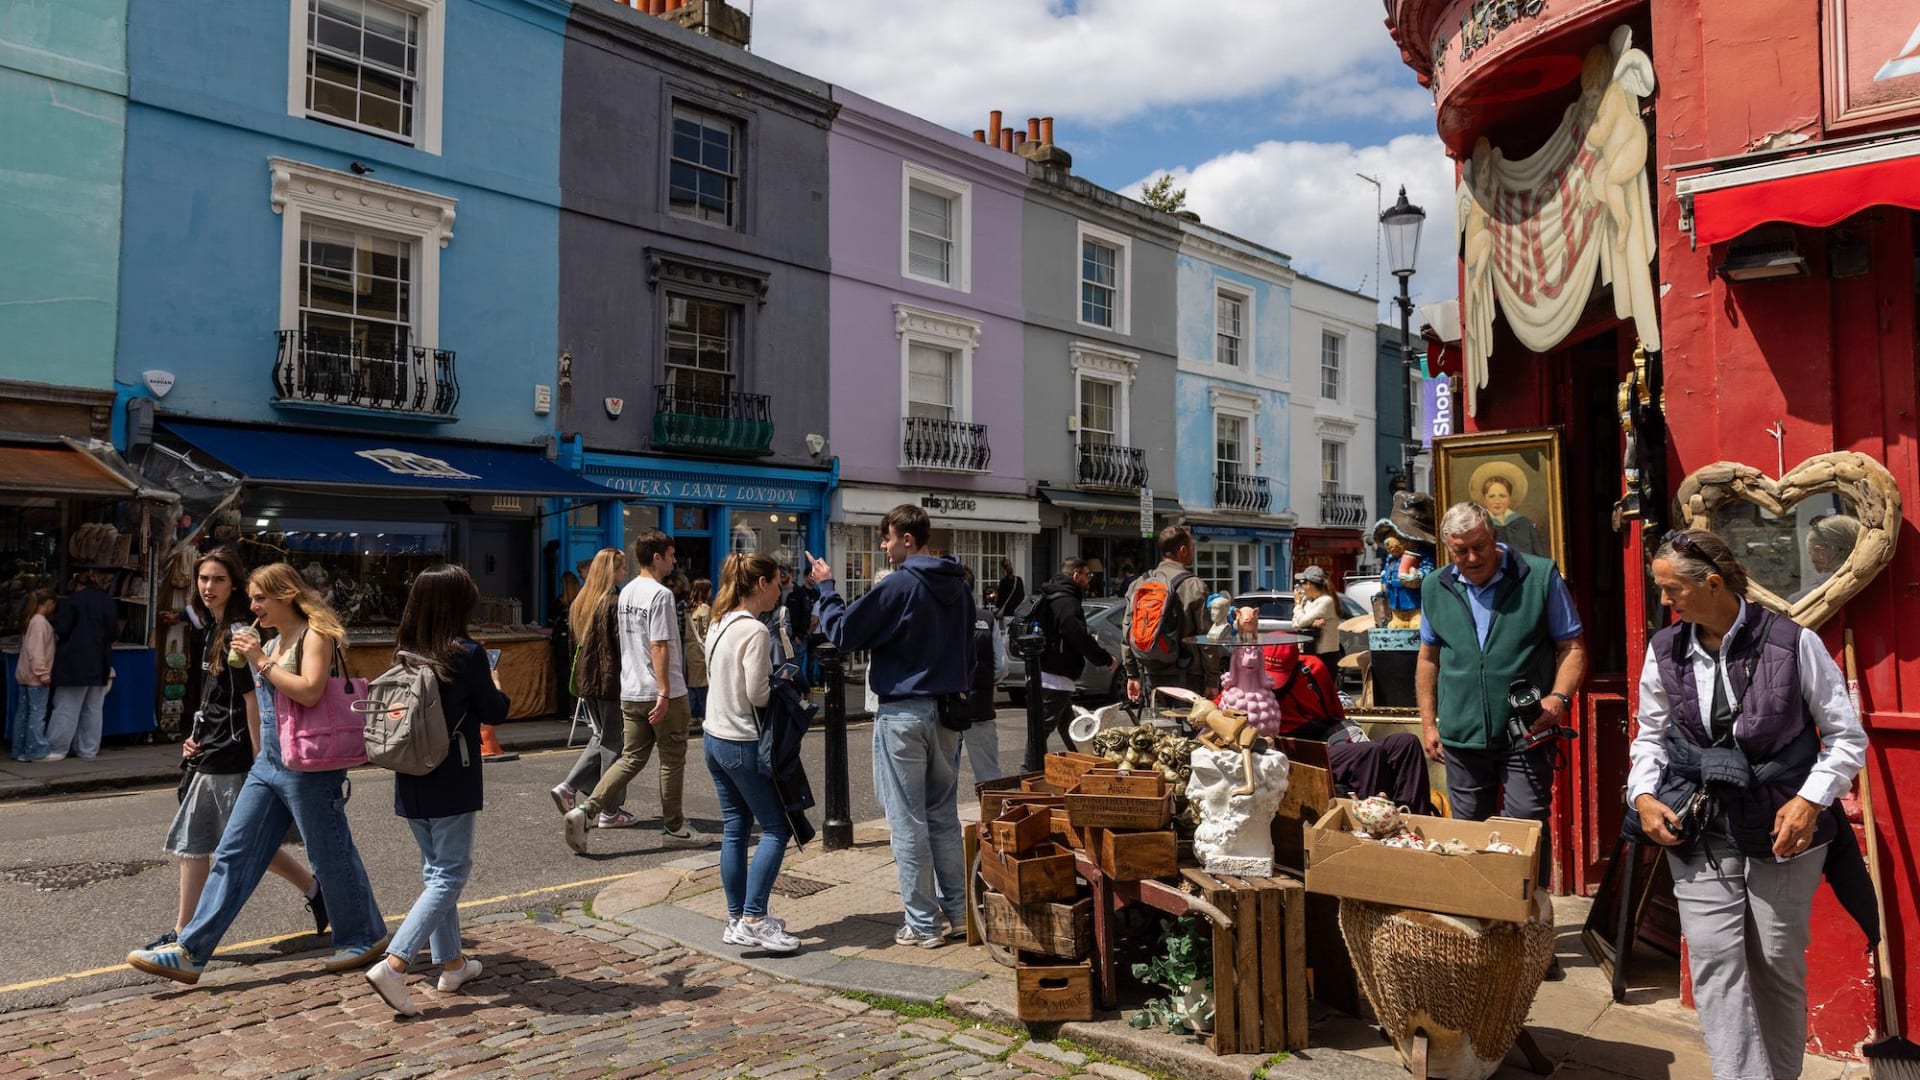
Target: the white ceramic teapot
(1379, 816)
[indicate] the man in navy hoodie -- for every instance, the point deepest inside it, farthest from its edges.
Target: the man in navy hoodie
(916, 626)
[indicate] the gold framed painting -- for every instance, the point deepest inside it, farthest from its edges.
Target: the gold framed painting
(1516, 476)
(1871, 53)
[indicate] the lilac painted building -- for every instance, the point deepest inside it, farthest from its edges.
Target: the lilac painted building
(926, 339)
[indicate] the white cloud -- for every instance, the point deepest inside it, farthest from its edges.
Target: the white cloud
(1096, 61)
(1305, 199)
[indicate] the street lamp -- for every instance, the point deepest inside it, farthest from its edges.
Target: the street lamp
(1401, 223)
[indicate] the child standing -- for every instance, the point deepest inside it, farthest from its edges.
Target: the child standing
(34, 673)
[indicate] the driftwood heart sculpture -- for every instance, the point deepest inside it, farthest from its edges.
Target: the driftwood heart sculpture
(1862, 481)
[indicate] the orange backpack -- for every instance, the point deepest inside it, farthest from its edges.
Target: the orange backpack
(1153, 619)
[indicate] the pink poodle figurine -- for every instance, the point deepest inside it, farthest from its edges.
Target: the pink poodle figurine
(1246, 686)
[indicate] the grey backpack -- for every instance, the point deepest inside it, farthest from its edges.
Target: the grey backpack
(406, 724)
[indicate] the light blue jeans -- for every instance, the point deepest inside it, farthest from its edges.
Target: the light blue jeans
(30, 739)
(916, 773)
(746, 797)
(273, 797)
(75, 720)
(446, 859)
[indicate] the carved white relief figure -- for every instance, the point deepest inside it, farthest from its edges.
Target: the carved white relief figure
(1235, 835)
(1538, 232)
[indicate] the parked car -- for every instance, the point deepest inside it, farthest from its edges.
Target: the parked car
(1105, 615)
(1276, 608)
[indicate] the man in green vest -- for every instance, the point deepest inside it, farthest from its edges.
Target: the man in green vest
(1491, 618)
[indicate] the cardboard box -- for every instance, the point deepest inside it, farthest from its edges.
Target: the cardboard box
(1483, 885)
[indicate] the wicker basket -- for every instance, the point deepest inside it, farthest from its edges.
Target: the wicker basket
(1465, 984)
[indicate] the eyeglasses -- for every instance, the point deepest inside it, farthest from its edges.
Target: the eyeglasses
(1680, 540)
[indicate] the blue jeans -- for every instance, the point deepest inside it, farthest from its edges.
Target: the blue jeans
(30, 740)
(273, 797)
(446, 858)
(746, 797)
(916, 772)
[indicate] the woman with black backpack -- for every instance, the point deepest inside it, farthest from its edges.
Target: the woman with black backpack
(440, 806)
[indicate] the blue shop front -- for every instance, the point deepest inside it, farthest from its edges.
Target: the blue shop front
(1238, 558)
(711, 509)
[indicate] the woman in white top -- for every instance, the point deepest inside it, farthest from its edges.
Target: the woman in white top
(1315, 612)
(739, 681)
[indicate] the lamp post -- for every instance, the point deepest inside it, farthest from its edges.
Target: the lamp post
(1401, 223)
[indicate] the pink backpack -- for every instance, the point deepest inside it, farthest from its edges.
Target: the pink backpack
(326, 735)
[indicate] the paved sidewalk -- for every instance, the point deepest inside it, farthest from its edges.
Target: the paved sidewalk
(145, 765)
(851, 908)
(562, 995)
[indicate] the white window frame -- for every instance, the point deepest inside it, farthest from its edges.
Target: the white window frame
(1334, 463)
(960, 194)
(299, 191)
(1090, 361)
(1246, 440)
(936, 329)
(1080, 384)
(1123, 277)
(1339, 367)
(430, 79)
(1244, 298)
(736, 205)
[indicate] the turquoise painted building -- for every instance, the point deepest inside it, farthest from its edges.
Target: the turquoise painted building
(63, 109)
(1231, 394)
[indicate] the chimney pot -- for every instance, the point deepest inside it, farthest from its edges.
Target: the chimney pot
(979, 135)
(1033, 129)
(993, 124)
(1006, 139)
(1019, 140)
(1046, 131)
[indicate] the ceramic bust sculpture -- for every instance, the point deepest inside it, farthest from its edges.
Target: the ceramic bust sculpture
(1219, 609)
(1236, 831)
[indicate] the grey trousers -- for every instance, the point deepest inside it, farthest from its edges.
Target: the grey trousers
(1746, 922)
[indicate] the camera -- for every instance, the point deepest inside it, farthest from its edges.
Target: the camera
(1523, 711)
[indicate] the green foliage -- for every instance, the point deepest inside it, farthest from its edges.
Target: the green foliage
(1184, 968)
(1162, 195)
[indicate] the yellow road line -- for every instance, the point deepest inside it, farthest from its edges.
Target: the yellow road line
(258, 942)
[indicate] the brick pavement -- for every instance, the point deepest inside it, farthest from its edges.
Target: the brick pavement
(563, 995)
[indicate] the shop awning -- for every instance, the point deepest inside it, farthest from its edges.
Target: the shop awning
(351, 461)
(1089, 500)
(60, 469)
(1820, 188)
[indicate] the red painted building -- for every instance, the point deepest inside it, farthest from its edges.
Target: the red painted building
(1781, 148)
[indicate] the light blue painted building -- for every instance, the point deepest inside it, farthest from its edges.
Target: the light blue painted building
(342, 233)
(1231, 394)
(63, 109)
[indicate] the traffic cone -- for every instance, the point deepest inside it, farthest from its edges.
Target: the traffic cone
(490, 746)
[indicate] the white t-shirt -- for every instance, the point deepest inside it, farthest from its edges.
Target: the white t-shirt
(647, 615)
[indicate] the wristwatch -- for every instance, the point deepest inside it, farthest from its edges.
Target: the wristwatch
(1564, 699)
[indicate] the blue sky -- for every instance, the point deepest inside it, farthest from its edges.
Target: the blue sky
(1264, 122)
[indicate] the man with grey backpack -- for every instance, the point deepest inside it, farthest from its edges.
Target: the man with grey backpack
(441, 804)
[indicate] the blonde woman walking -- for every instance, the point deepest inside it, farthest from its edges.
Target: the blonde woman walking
(596, 674)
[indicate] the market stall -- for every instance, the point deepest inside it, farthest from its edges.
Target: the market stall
(359, 515)
(65, 511)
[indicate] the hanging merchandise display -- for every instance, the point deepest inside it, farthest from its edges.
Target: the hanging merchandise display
(1538, 231)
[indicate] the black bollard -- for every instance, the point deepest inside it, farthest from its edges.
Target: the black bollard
(1029, 646)
(837, 833)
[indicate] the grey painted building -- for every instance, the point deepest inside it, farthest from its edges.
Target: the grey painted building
(693, 285)
(1394, 407)
(1099, 274)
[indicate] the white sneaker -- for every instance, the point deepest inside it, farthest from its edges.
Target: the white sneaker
(768, 934)
(954, 929)
(578, 822)
(733, 934)
(392, 987)
(906, 936)
(454, 980)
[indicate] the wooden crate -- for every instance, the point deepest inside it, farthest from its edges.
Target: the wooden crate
(1063, 831)
(1046, 993)
(1119, 811)
(1043, 874)
(993, 792)
(1259, 966)
(1020, 828)
(1111, 781)
(969, 847)
(1056, 929)
(995, 803)
(1064, 768)
(1135, 856)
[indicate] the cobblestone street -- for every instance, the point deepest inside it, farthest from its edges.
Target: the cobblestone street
(563, 995)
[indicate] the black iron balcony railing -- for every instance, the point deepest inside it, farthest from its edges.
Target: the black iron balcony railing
(1109, 466)
(334, 369)
(1343, 511)
(721, 422)
(1235, 490)
(947, 445)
